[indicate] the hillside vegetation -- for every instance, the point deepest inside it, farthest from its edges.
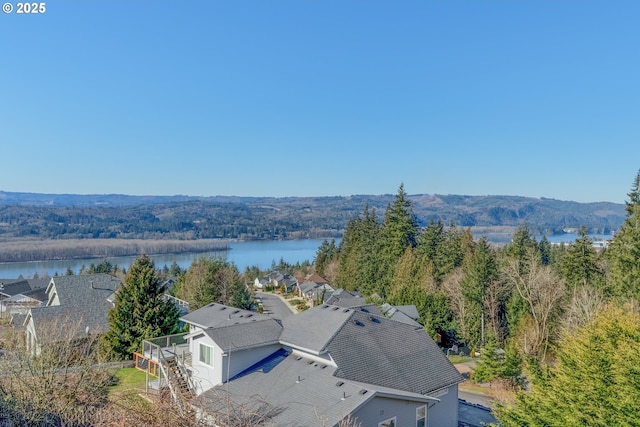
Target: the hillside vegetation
(41, 216)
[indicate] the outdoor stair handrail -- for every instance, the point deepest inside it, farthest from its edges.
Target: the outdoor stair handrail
(155, 345)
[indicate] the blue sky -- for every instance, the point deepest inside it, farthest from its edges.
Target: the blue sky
(320, 98)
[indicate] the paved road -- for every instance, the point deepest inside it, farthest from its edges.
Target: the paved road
(274, 306)
(475, 398)
(470, 415)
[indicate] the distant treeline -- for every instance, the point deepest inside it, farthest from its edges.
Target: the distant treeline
(40, 250)
(284, 218)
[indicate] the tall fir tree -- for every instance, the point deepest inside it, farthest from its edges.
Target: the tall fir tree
(326, 253)
(579, 266)
(357, 257)
(399, 231)
(140, 312)
(624, 251)
(480, 274)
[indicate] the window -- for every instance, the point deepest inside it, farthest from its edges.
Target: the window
(206, 354)
(421, 416)
(391, 422)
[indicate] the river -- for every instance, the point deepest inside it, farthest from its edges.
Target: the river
(242, 254)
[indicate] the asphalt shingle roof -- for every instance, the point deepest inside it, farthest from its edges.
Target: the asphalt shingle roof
(313, 329)
(315, 400)
(245, 335)
(214, 315)
(83, 303)
(376, 350)
(372, 354)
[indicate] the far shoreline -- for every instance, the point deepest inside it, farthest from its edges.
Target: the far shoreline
(14, 251)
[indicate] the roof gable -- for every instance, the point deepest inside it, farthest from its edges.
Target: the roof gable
(375, 350)
(245, 335)
(313, 329)
(216, 315)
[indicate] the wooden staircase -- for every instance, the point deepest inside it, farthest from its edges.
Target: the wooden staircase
(178, 378)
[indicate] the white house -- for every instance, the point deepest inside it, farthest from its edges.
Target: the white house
(313, 369)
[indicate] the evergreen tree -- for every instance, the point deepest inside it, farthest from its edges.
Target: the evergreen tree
(357, 269)
(595, 382)
(579, 265)
(624, 251)
(490, 364)
(480, 274)
(399, 230)
(440, 248)
(634, 196)
(545, 251)
(140, 312)
(326, 253)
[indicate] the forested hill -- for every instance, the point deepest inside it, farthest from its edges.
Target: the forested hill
(49, 216)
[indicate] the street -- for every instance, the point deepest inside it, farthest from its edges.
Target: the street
(274, 306)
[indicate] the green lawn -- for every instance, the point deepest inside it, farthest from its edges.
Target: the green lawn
(128, 379)
(454, 358)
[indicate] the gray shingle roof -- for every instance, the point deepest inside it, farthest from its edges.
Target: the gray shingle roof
(371, 352)
(313, 329)
(85, 291)
(316, 400)
(409, 310)
(372, 349)
(214, 315)
(376, 350)
(83, 302)
(15, 287)
(245, 335)
(399, 316)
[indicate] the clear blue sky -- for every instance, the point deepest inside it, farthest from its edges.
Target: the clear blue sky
(320, 98)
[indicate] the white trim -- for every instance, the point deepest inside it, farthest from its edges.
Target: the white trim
(389, 422)
(200, 354)
(424, 417)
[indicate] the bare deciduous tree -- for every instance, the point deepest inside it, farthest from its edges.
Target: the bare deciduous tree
(453, 289)
(584, 305)
(542, 291)
(63, 385)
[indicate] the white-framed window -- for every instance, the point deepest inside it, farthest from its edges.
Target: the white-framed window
(206, 354)
(421, 416)
(391, 422)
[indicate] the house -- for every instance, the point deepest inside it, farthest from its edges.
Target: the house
(401, 313)
(277, 279)
(18, 296)
(76, 305)
(344, 298)
(313, 288)
(312, 369)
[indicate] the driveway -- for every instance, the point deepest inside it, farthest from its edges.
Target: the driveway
(471, 415)
(274, 306)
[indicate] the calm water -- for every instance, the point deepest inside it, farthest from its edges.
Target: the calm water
(243, 254)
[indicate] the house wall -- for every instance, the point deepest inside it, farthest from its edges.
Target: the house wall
(445, 412)
(205, 377)
(31, 338)
(442, 414)
(380, 409)
(241, 360)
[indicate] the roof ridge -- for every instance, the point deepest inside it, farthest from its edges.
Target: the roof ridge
(337, 330)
